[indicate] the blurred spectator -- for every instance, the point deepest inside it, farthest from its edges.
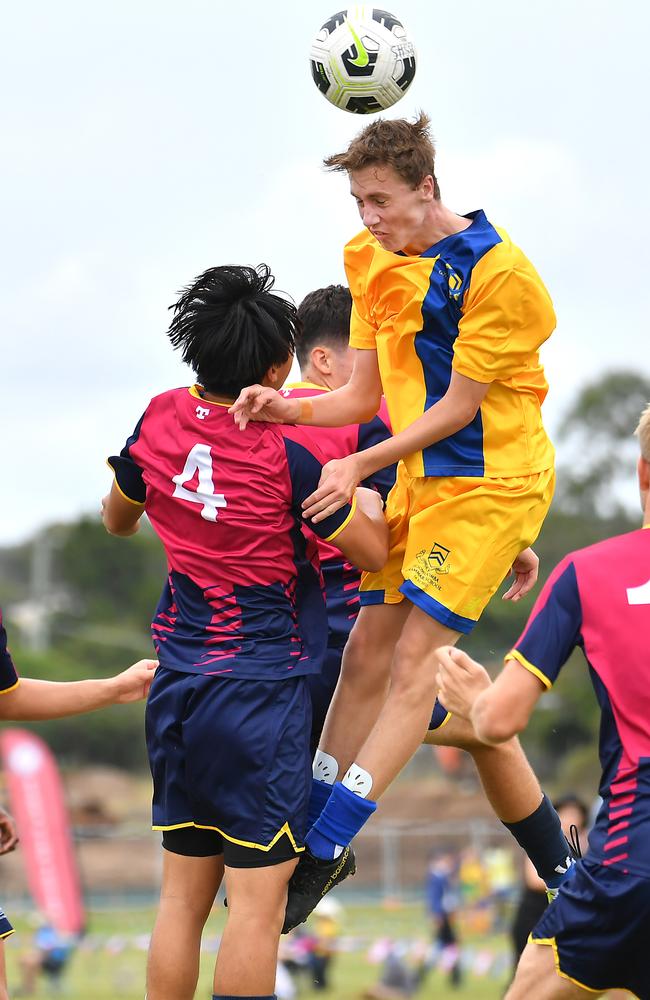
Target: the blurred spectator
(443, 900)
(401, 977)
(48, 956)
(325, 926)
(501, 880)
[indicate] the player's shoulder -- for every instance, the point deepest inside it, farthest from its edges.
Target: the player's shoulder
(364, 238)
(296, 390)
(171, 398)
(614, 547)
(299, 444)
(363, 252)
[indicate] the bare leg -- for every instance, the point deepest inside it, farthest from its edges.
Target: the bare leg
(536, 978)
(363, 684)
(189, 886)
(508, 780)
(248, 954)
(405, 715)
(4, 995)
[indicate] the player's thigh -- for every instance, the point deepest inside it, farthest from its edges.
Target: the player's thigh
(383, 587)
(4, 995)
(371, 645)
(415, 660)
(464, 535)
(453, 732)
(191, 881)
(537, 978)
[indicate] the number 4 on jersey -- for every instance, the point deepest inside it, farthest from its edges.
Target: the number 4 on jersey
(199, 461)
(639, 595)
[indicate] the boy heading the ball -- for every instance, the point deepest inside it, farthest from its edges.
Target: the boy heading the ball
(448, 317)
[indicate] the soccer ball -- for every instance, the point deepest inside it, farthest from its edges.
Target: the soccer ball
(362, 60)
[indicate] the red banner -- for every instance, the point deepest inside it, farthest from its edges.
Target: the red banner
(38, 805)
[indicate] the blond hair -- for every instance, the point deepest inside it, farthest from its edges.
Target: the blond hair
(643, 433)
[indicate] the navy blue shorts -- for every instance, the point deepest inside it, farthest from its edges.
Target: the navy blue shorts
(232, 757)
(599, 927)
(5, 927)
(439, 716)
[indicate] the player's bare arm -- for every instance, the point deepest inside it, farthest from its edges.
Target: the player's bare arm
(34, 700)
(455, 410)
(497, 710)
(120, 515)
(355, 402)
(364, 540)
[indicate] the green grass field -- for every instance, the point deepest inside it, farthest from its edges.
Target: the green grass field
(111, 963)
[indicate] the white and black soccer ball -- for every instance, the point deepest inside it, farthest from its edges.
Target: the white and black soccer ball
(362, 60)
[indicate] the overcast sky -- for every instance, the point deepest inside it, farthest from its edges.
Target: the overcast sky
(143, 142)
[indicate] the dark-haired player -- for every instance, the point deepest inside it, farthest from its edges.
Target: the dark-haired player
(447, 321)
(594, 937)
(325, 360)
(239, 628)
(25, 699)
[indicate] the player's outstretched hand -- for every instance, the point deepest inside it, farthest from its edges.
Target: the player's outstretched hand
(460, 680)
(339, 479)
(525, 567)
(134, 682)
(258, 402)
(8, 832)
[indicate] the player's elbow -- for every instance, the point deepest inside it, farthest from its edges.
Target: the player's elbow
(494, 725)
(116, 527)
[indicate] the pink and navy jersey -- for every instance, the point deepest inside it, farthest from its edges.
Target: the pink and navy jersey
(341, 578)
(599, 599)
(8, 676)
(243, 597)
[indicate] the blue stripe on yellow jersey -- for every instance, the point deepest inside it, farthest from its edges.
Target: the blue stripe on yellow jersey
(472, 303)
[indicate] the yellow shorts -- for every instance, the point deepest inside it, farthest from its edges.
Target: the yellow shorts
(453, 540)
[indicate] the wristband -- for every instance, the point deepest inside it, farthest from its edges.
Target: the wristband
(306, 410)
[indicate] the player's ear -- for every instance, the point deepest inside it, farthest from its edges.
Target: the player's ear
(320, 359)
(427, 188)
(643, 470)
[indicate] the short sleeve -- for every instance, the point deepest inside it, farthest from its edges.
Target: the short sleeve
(554, 627)
(8, 674)
(358, 259)
(362, 333)
(305, 466)
(128, 474)
(507, 315)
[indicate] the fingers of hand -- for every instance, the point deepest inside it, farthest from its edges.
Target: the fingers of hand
(325, 512)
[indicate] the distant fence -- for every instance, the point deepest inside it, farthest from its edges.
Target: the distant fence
(123, 866)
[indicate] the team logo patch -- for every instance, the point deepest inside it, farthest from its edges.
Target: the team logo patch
(438, 554)
(202, 412)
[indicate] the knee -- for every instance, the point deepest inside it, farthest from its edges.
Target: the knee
(413, 676)
(364, 664)
(489, 752)
(262, 916)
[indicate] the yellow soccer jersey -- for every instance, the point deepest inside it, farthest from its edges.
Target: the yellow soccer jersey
(472, 302)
